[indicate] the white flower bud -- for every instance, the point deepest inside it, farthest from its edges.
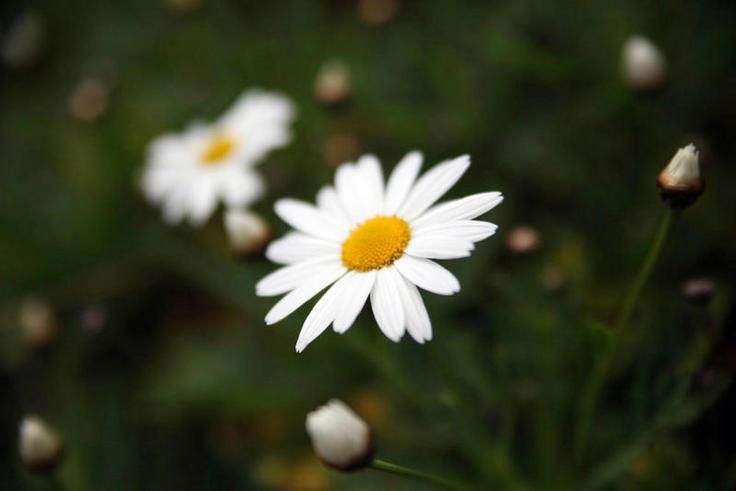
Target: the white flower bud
(247, 232)
(40, 446)
(643, 66)
(37, 322)
(332, 85)
(341, 439)
(680, 181)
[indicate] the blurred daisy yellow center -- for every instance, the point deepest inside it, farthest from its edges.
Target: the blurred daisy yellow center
(219, 147)
(375, 243)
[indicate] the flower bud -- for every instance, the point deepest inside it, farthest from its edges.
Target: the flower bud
(22, 42)
(88, 100)
(341, 439)
(523, 239)
(680, 181)
(699, 290)
(341, 147)
(37, 323)
(332, 85)
(643, 66)
(246, 231)
(40, 446)
(377, 12)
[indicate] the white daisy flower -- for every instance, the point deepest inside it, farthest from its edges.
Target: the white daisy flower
(190, 172)
(370, 240)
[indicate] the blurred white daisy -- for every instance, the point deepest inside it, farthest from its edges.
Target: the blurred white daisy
(370, 240)
(190, 172)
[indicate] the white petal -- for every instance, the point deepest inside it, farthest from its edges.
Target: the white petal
(309, 219)
(428, 275)
(417, 320)
(321, 315)
(357, 288)
(386, 303)
(371, 176)
(241, 187)
(348, 186)
(261, 121)
(439, 247)
(175, 206)
(295, 247)
(296, 298)
(287, 278)
(459, 209)
(468, 230)
(329, 202)
(432, 185)
(202, 202)
(401, 181)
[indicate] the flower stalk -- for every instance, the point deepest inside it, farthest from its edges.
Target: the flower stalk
(599, 374)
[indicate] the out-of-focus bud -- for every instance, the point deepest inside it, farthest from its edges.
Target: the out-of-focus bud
(88, 100)
(376, 12)
(523, 239)
(552, 278)
(37, 322)
(643, 66)
(699, 290)
(341, 147)
(332, 85)
(22, 42)
(341, 439)
(680, 181)
(39, 445)
(93, 318)
(246, 231)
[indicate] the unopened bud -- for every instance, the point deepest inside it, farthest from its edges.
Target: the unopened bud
(37, 322)
(680, 181)
(22, 42)
(341, 439)
(332, 85)
(39, 445)
(699, 291)
(341, 147)
(523, 239)
(247, 232)
(88, 100)
(643, 66)
(376, 12)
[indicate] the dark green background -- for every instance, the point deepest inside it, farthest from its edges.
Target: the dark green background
(186, 388)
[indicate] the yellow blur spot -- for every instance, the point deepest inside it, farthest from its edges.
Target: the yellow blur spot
(219, 147)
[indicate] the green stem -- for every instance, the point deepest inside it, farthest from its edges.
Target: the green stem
(644, 273)
(383, 466)
(592, 389)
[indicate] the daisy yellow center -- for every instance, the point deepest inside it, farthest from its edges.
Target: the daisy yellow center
(375, 243)
(219, 147)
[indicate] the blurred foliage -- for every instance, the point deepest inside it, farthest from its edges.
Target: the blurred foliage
(162, 374)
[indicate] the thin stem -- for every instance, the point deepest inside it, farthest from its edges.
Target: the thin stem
(644, 273)
(594, 384)
(383, 466)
